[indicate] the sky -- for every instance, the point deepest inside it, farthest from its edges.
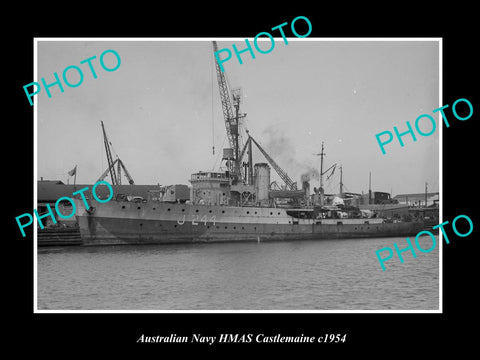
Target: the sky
(162, 111)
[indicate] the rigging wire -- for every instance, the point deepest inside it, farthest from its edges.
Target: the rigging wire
(218, 156)
(102, 149)
(332, 185)
(213, 116)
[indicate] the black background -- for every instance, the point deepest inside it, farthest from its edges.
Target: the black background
(66, 335)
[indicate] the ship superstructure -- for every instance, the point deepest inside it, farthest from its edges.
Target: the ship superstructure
(237, 202)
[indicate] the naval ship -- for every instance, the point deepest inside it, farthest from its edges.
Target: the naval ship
(239, 202)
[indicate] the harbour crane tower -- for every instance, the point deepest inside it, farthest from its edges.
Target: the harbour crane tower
(115, 176)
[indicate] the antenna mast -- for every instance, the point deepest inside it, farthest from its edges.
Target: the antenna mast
(341, 183)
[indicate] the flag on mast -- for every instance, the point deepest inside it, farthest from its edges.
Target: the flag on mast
(73, 171)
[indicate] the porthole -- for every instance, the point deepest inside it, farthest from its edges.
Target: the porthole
(248, 212)
(168, 209)
(138, 208)
(123, 206)
(183, 210)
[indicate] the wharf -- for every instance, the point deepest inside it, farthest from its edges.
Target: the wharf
(59, 237)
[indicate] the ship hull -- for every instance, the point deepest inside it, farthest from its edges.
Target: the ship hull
(121, 222)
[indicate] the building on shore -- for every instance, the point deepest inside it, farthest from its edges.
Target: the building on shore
(418, 199)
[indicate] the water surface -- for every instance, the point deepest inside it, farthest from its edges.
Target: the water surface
(293, 275)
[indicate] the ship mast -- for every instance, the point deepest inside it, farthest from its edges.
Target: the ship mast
(321, 190)
(369, 188)
(341, 183)
(322, 154)
(426, 192)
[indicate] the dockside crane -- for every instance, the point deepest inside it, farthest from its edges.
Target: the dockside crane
(283, 175)
(232, 119)
(111, 166)
(231, 114)
(116, 176)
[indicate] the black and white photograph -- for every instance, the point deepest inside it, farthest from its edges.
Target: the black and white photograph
(220, 181)
(238, 186)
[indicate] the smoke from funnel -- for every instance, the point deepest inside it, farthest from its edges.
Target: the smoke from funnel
(310, 174)
(281, 149)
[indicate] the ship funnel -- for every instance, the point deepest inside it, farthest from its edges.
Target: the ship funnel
(306, 188)
(262, 182)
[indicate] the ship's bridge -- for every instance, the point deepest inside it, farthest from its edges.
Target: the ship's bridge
(210, 188)
(210, 176)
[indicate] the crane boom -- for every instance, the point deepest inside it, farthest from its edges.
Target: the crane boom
(231, 119)
(105, 173)
(119, 172)
(242, 153)
(115, 176)
(283, 175)
(127, 174)
(111, 166)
